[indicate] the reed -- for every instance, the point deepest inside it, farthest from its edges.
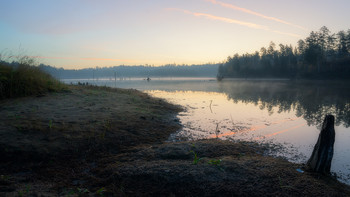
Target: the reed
(23, 78)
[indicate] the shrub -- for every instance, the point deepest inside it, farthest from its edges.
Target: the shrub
(24, 79)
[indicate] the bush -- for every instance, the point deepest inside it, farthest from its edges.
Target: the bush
(24, 79)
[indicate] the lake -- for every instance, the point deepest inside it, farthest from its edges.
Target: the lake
(285, 114)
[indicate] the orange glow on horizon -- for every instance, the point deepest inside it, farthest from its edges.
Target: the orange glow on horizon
(78, 58)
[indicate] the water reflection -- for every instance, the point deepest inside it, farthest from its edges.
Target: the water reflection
(208, 111)
(310, 100)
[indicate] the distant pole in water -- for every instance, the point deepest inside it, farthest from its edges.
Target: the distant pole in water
(321, 158)
(115, 79)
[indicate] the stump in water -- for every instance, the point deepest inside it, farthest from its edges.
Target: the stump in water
(321, 158)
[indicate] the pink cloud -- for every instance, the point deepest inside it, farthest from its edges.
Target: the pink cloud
(231, 6)
(238, 22)
(228, 20)
(219, 18)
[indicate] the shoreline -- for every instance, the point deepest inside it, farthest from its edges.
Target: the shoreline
(104, 141)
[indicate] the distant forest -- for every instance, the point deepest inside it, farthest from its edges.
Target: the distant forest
(322, 55)
(171, 70)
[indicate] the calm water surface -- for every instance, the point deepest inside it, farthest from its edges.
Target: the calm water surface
(280, 112)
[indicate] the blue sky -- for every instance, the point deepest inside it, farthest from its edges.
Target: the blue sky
(88, 33)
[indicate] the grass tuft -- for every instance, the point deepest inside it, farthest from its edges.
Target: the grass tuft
(23, 78)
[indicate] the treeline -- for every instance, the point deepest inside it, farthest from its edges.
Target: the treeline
(170, 70)
(321, 55)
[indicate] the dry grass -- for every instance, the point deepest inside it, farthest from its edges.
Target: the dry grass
(25, 79)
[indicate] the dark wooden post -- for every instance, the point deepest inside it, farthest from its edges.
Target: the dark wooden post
(321, 158)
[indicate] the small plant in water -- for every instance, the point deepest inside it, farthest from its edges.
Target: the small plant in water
(217, 131)
(211, 101)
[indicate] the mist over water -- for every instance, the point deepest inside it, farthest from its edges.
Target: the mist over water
(287, 114)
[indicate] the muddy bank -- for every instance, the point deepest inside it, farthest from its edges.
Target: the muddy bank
(83, 118)
(224, 169)
(91, 141)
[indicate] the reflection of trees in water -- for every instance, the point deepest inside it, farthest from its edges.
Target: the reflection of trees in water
(310, 100)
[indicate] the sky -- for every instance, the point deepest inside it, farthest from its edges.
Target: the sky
(75, 34)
